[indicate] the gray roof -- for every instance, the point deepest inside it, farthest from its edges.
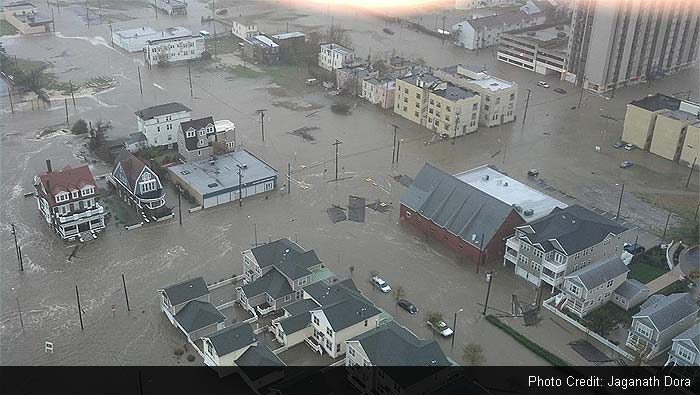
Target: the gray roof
(630, 288)
(575, 228)
(232, 338)
(502, 20)
(221, 177)
(259, 355)
(288, 257)
(349, 312)
(273, 283)
(427, 78)
(137, 137)
(691, 335)
(325, 294)
(197, 315)
(657, 102)
(300, 306)
(600, 272)
(664, 311)
(296, 323)
(284, 36)
(187, 290)
(394, 345)
(161, 109)
(452, 92)
(462, 209)
(196, 124)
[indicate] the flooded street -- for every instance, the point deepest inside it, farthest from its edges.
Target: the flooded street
(555, 139)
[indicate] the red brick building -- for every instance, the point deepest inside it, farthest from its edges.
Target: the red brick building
(459, 215)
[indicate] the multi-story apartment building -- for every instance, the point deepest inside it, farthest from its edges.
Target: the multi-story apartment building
(261, 49)
(484, 32)
(411, 97)
(660, 319)
(175, 48)
(333, 56)
(201, 138)
(550, 248)
(379, 91)
(593, 286)
(160, 124)
(498, 97)
(67, 200)
(665, 126)
(350, 78)
(541, 48)
(620, 43)
(243, 28)
(452, 110)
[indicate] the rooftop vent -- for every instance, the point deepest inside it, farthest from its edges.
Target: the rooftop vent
(561, 35)
(486, 177)
(505, 184)
(530, 33)
(528, 212)
(212, 185)
(473, 236)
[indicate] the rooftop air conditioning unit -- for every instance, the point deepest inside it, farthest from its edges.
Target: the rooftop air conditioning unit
(528, 212)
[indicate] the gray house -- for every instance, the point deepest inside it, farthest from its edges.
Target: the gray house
(659, 321)
(174, 297)
(199, 139)
(198, 318)
(630, 293)
(591, 287)
(685, 350)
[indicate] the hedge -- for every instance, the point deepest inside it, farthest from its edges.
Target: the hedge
(537, 349)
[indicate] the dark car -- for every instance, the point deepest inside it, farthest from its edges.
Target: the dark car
(408, 306)
(533, 173)
(559, 90)
(387, 30)
(634, 249)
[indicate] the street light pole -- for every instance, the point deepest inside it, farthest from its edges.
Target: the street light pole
(337, 143)
(393, 151)
(619, 204)
(240, 187)
(454, 328)
(489, 278)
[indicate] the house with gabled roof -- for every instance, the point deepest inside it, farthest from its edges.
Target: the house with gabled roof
(593, 286)
(202, 138)
(187, 305)
(568, 239)
(685, 350)
(159, 124)
(660, 319)
(470, 221)
(67, 201)
(630, 293)
(139, 186)
(274, 275)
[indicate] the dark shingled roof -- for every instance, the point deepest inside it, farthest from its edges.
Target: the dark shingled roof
(630, 288)
(349, 312)
(462, 209)
(259, 355)
(301, 306)
(132, 166)
(575, 228)
(394, 345)
(196, 124)
(232, 338)
(187, 290)
(288, 257)
(658, 102)
(273, 283)
(296, 323)
(600, 272)
(325, 294)
(161, 109)
(664, 311)
(197, 315)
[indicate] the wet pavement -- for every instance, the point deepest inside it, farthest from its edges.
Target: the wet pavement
(558, 141)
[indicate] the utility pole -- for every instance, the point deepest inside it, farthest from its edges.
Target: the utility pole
(481, 248)
(240, 187)
(668, 218)
(336, 144)
(262, 123)
(17, 249)
(580, 98)
(21, 322)
(126, 293)
(527, 103)
(454, 137)
(393, 151)
(619, 204)
(454, 329)
(80, 311)
(53, 22)
(12, 106)
(189, 73)
(65, 102)
(289, 178)
(87, 12)
(695, 218)
(489, 278)
(687, 182)
(179, 204)
(155, 9)
(138, 69)
(110, 33)
(99, 9)
(71, 92)
(442, 33)
(398, 148)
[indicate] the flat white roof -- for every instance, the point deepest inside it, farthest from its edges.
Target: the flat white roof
(224, 124)
(283, 36)
(265, 40)
(492, 83)
(138, 32)
(510, 191)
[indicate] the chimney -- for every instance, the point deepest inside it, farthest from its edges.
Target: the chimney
(48, 165)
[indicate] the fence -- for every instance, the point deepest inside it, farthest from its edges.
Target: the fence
(547, 305)
(670, 249)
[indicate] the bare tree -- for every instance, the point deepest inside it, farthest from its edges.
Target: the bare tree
(352, 269)
(433, 316)
(399, 292)
(473, 355)
(337, 35)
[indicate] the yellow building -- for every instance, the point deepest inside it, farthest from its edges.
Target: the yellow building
(25, 17)
(411, 97)
(669, 134)
(452, 111)
(691, 146)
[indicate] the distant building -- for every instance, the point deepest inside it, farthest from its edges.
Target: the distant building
(200, 139)
(225, 178)
(26, 18)
(379, 91)
(350, 78)
(472, 4)
(159, 124)
(411, 98)
(291, 45)
(134, 40)
(484, 32)
(139, 186)
(468, 220)
(177, 45)
(664, 126)
(172, 7)
(398, 67)
(67, 200)
(540, 48)
(333, 56)
(261, 49)
(243, 28)
(452, 111)
(498, 97)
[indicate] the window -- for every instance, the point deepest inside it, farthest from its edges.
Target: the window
(88, 191)
(202, 132)
(512, 96)
(610, 283)
(366, 322)
(447, 108)
(337, 348)
(430, 111)
(473, 116)
(685, 353)
(573, 289)
(405, 108)
(447, 118)
(329, 331)
(288, 298)
(158, 129)
(61, 197)
(438, 105)
(644, 330)
(475, 106)
(432, 101)
(416, 113)
(190, 133)
(316, 321)
(437, 123)
(498, 100)
(351, 351)
(148, 186)
(486, 107)
(75, 194)
(417, 95)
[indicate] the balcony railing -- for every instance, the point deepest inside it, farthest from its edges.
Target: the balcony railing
(554, 266)
(510, 256)
(85, 213)
(552, 281)
(513, 243)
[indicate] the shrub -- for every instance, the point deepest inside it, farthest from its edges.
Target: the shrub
(534, 347)
(80, 127)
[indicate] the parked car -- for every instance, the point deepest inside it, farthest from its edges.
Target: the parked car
(533, 173)
(408, 306)
(630, 146)
(559, 90)
(625, 164)
(221, 11)
(387, 30)
(618, 144)
(441, 328)
(634, 249)
(381, 284)
(543, 84)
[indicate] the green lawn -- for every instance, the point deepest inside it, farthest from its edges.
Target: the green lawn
(648, 265)
(676, 287)
(6, 29)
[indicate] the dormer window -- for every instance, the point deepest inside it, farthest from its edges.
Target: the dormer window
(88, 190)
(191, 133)
(202, 132)
(76, 194)
(62, 197)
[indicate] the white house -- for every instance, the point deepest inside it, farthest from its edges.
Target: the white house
(483, 32)
(243, 29)
(593, 286)
(173, 7)
(333, 56)
(175, 47)
(685, 350)
(160, 124)
(134, 40)
(188, 308)
(379, 91)
(67, 200)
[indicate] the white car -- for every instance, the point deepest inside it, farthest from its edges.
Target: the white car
(441, 328)
(630, 146)
(381, 284)
(543, 84)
